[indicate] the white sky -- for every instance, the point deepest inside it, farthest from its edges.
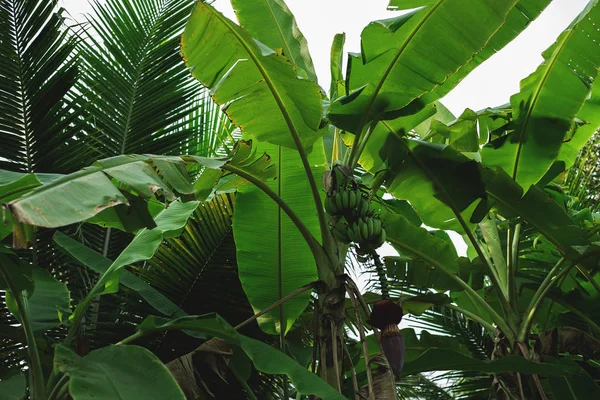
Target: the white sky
(491, 84)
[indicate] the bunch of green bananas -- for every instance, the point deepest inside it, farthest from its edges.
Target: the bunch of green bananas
(354, 220)
(367, 232)
(342, 202)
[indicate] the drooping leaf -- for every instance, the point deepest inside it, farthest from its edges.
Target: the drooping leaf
(590, 116)
(540, 122)
(396, 66)
(101, 264)
(443, 185)
(116, 372)
(271, 22)
(15, 273)
(536, 207)
(442, 114)
(273, 257)
(49, 300)
(14, 185)
(13, 387)
(519, 17)
(265, 358)
(421, 244)
(383, 151)
(462, 135)
(446, 359)
(169, 223)
(79, 196)
(417, 305)
(336, 62)
(261, 90)
(574, 387)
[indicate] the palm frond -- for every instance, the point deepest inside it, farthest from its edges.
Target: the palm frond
(139, 93)
(583, 179)
(38, 69)
(459, 384)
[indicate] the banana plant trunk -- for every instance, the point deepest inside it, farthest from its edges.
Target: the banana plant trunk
(332, 365)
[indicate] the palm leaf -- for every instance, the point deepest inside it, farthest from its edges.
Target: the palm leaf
(138, 92)
(39, 69)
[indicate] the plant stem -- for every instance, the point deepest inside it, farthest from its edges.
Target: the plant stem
(352, 373)
(472, 316)
(513, 266)
(588, 277)
(363, 341)
(359, 145)
(538, 297)
(351, 286)
(58, 388)
(37, 375)
(334, 350)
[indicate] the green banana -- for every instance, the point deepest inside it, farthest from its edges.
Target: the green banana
(370, 228)
(329, 206)
(345, 199)
(378, 240)
(352, 233)
(376, 226)
(338, 201)
(352, 200)
(364, 230)
(363, 207)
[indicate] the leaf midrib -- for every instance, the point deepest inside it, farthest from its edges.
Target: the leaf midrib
(536, 96)
(261, 69)
(23, 90)
(392, 64)
(138, 75)
(287, 51)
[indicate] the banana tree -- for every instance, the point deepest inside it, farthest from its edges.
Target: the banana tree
(480, 175)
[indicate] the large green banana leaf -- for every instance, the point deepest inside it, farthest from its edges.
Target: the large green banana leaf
(116, 372)
(519, 17)
(273, 257)
(590, 117)
(420, 243)
(101, 264)
(107, 183)
(549, 100)
(272, 23)
(406, 57)
(258, 87)
(49, 300)
(169, 223)
(443, 185)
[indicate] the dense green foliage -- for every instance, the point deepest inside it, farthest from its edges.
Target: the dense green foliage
(183, 207)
